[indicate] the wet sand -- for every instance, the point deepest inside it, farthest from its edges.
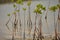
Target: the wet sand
(27, 39)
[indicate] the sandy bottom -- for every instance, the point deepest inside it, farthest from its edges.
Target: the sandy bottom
(25, 39)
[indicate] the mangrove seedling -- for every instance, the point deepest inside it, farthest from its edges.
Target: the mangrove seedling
(29, 22)
(58, 5)
(8, 21)
(19, 2)
(24, 9)
(53, 9)
(47, 16)
(38, 10)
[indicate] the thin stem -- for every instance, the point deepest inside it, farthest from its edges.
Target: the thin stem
(35, 27)
(7, 23)
(14, 26)
(19, 16)
(46, 16)
(15, 23)
(24, 27)
(29, 21)
(59, 17)
(40, 23)
(19, 19)
(59, 11)
(13, 35)
(55, 28)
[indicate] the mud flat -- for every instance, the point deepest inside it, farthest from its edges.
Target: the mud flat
(29, 39)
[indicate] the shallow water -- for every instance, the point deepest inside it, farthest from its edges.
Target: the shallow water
(7, 8)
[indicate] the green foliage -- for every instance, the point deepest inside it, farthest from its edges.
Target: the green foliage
(19, 2)
(14, 5)
(17, 10)
(12, 0)
(58, 5)
(53, 8)
(24, 9)
(8, 14)
(14, 12)
(43, 8)
(39, 8)
(29, 3)
(37, 11)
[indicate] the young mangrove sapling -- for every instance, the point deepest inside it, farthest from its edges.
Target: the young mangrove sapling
(38, 10)
(53, 9)
(24, 9)
(29, 22)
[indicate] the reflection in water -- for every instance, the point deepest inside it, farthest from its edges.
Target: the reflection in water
(7, 8)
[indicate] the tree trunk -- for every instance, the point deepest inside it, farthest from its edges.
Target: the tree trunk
(24, 27)
(46, 16)
(19, 22)
(14, 26)
(29, 23)
(55, 27)
(40, 23)
(35, 27)
(59, 18)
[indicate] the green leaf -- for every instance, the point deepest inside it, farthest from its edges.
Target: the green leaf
(19, 2)
(39, 6)
(17, 10)
(29, 3)
(8, 14)
(24, 9)
(53, 8)
(14, 12)
(37, 11)
(12, 0)
(14, 5)
(44, 8)
(58, 5)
